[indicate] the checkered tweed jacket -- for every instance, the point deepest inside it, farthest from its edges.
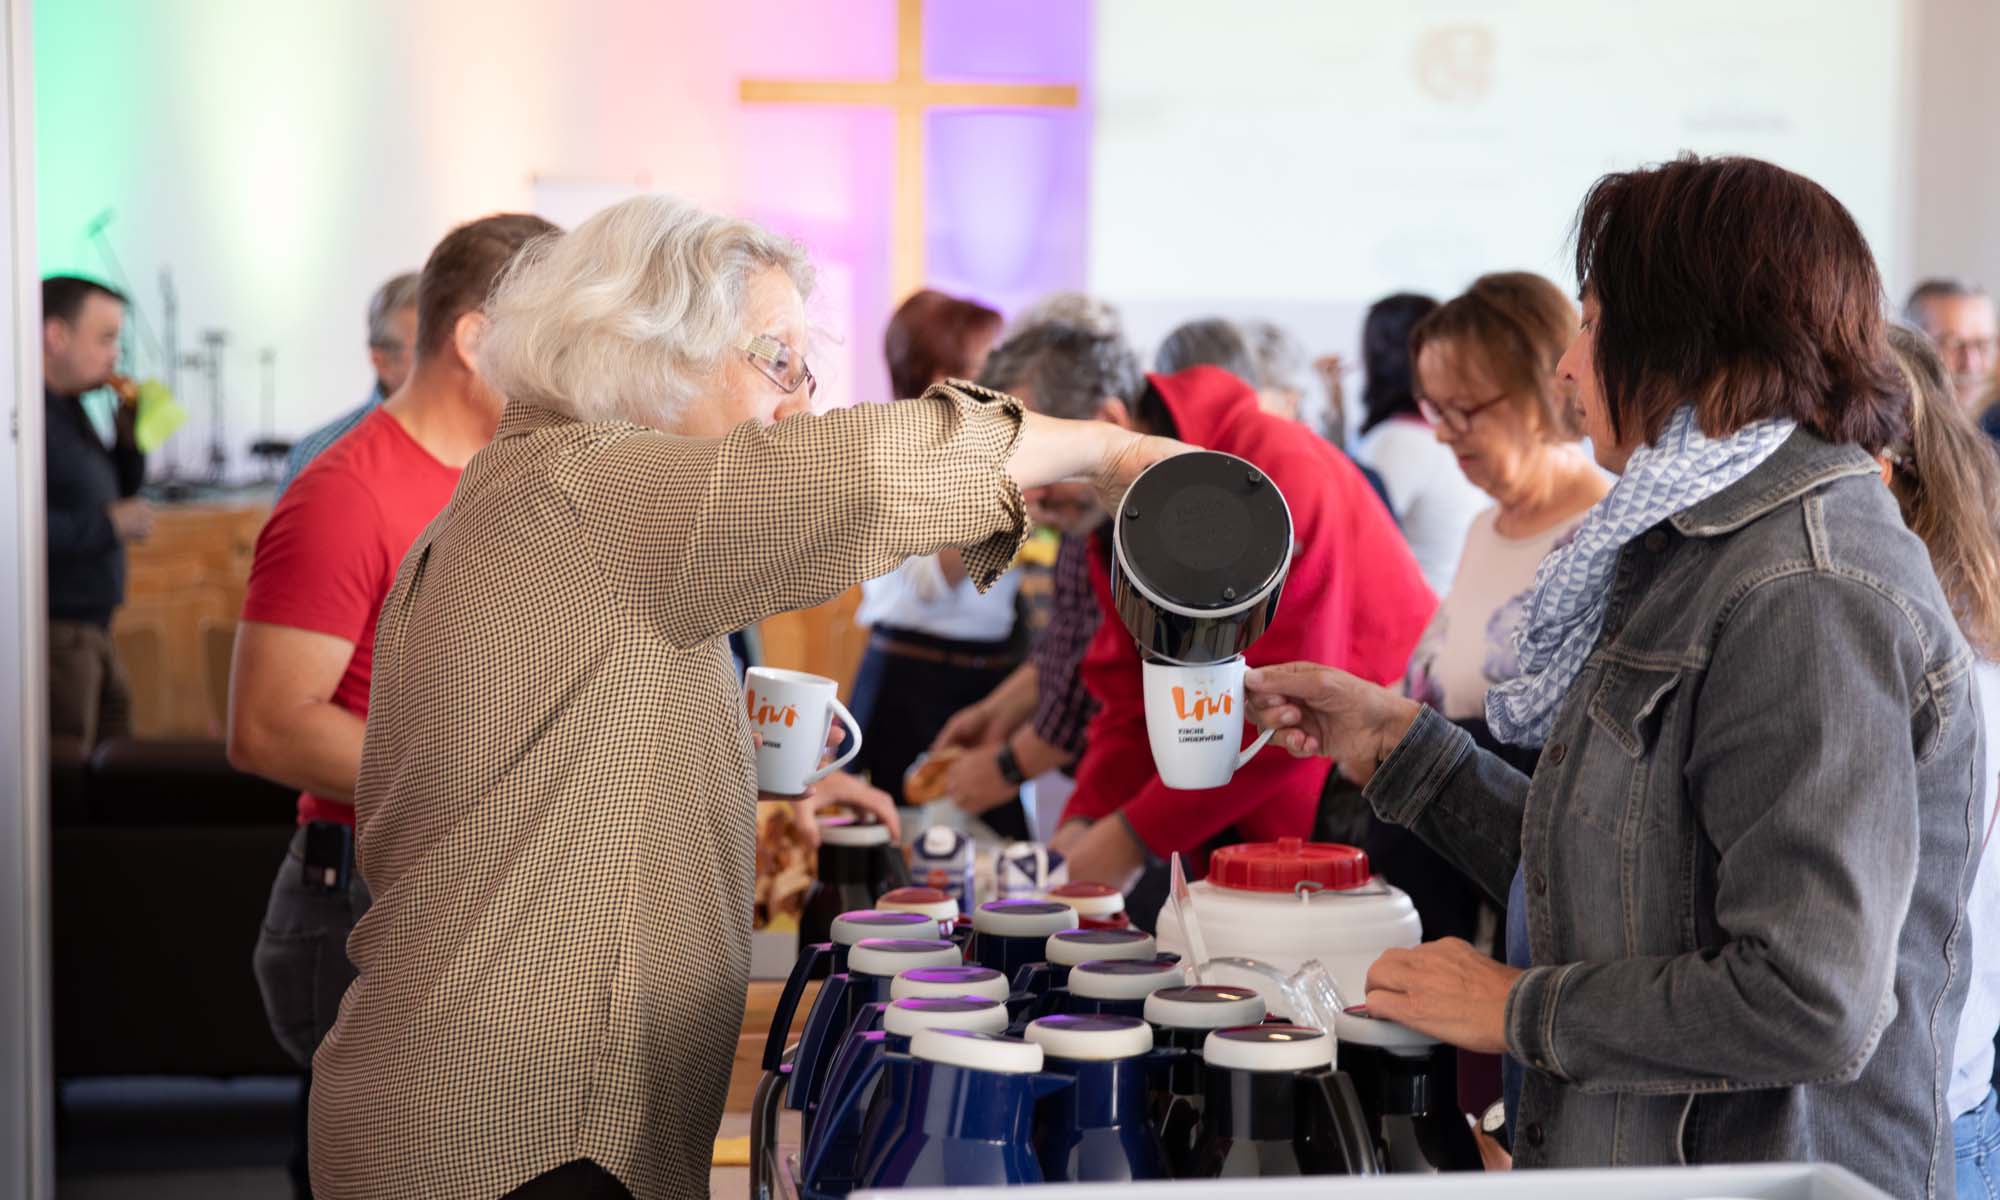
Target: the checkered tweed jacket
(556, 803)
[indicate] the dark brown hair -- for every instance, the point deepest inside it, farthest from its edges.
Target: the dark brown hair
(63, 296)
(460, 272)
(934, 336)
(1742, 289)
(1518, 324)
(1388, 379)
(1946, 477)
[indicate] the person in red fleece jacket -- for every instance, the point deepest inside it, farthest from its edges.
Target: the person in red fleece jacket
(1354, 597)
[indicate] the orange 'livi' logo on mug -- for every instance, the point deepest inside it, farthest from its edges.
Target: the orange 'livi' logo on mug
(1205, 705)
(765, 713)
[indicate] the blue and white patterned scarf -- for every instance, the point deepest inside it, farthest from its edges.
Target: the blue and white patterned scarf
(1560, 627)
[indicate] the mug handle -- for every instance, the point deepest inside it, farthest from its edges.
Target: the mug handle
(854, 727)
(1250, 751)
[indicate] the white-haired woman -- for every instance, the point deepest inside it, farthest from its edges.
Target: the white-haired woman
(555, 803)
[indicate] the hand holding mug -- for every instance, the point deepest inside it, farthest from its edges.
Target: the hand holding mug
(792, 715)
(1316, 710)
(1194, 722)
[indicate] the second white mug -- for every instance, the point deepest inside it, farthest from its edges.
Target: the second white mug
(794, 712)
(1194, 721)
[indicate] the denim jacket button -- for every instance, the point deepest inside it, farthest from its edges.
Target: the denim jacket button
(1533, 1133)
(1557, 754)
(1656, 541)
(1538, 883)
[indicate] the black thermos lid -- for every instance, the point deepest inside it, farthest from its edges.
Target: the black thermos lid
(1204, 531)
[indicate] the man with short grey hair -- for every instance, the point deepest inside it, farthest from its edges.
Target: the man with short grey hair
(1066, 358)
(1208, 341)
(1281, 368)
(392, 333)
(1959, 317)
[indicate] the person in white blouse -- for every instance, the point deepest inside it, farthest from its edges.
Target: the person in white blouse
(936, 643)
(1430, 497)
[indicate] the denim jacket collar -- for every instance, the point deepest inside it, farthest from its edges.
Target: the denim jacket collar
(1803, 463)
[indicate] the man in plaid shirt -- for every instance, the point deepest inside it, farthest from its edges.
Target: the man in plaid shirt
(1034, 721)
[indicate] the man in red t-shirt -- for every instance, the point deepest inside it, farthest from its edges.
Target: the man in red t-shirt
(298, 683)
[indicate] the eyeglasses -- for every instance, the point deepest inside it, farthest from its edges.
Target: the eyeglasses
(780, 363)
(1954, 348)
(1451, 416)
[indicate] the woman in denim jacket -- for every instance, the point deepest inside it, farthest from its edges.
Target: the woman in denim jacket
(1739, 871)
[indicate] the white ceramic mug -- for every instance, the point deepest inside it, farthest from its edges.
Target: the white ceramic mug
(794, 712)
(1194, 720)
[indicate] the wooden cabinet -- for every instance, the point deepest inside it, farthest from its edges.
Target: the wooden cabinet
(823, 640)
(183, 591)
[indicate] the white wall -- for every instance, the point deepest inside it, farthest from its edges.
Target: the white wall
(26, 1091)
(285, 158)
(1297, 159)
(1956, 138)
(1292, 158)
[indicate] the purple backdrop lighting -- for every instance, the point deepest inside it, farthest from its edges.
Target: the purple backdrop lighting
(1007, 191)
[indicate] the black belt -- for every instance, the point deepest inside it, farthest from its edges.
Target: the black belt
(949, 658)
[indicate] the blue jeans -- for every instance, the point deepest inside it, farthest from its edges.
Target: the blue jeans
(1976, 1143)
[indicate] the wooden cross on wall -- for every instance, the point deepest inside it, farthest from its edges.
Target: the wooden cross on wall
(910, 96)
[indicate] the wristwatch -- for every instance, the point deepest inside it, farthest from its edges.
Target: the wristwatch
(1010, 767)
(1493, 1122)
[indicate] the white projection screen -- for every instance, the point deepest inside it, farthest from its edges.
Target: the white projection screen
(1295, 159)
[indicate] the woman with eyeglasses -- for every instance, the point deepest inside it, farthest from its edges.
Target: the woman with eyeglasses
(1432, 501)
(555, 810)
(1485, 384)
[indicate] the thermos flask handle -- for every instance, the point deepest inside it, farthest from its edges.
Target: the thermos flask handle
(853, 1093)
(1024, 979)
(1336, 1108)
(788, 1002)
(853, 745)
(812, 1040)
(867, 1023)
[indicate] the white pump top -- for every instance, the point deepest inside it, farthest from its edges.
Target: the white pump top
(977, 1051)
(1268, 1048)
(1023, 918)
(973, 1014)
(1204, 1007)
(1123, 979)
(950, 981)
(1074, 946)
(855, 836)
(1083, 1038)
(851, 927)
(892, 956)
